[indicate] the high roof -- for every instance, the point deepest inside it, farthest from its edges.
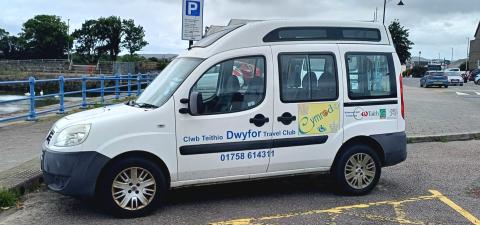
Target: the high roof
(252, 33)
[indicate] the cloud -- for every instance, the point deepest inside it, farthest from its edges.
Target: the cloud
(435, 26)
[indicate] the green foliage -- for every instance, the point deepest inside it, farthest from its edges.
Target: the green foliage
(45, 37)
(153, 59)
(8, 198)
(416, 71)
(109, 31)
(4, 46)
(463, 66)
(12, 47)
(134, 36)
(87, 42)
(400, 39)
(131, 58)
(97, 38)
(161, 64)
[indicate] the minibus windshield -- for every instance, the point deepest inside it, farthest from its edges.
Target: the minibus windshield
(167, 82)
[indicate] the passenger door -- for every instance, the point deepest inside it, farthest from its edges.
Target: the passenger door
(307, 126)
(227, 140)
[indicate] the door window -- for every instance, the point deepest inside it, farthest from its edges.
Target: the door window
(309, 77)
(370, 75)
(233, 85)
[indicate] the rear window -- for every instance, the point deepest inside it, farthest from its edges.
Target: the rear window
(371, 75)
(323, 33)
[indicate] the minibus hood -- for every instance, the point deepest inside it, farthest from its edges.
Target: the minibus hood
(89, 116)
(86, 114)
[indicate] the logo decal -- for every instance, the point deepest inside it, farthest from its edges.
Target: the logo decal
(318, 118)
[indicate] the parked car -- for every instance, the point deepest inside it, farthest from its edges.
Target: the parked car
(453, 70)
(473, 74)
(434, 78)
(477, 79)
(454, 78)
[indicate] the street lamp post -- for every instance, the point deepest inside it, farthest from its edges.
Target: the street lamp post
(68, 42)
(385, 7)
(419, 55)
(468, 55)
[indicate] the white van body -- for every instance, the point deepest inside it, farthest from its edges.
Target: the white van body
(292, 137)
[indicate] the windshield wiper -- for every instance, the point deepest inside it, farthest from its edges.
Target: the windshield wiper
(141, 105)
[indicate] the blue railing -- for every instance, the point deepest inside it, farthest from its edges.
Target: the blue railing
(133, 86)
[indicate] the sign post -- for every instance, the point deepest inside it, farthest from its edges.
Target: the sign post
(192, 20)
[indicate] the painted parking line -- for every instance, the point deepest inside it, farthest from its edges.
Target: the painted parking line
(333, 213)
(456, 207)
(461, 93)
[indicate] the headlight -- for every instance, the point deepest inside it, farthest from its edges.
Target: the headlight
(73, 135)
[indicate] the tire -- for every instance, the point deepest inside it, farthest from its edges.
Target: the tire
(121, 171)
(446, 86)
(349, 156)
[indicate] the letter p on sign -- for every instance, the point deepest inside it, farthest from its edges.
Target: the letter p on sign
(193, 8)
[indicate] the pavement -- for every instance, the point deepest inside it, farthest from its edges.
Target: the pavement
(439, 183)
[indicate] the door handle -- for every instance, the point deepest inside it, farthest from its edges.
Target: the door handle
(286, 118)
(259, 120)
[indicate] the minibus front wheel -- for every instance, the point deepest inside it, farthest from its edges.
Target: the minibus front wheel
(357, 170)
(132, 187)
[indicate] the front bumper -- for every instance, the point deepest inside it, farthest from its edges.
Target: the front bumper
(437, 83)
(72, 173)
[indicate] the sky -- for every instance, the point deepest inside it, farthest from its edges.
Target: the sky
(436, 26)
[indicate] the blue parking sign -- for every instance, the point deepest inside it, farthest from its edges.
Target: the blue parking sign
(192, 8)
(192, 20)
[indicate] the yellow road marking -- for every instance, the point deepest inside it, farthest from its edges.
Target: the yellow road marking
(456, 207)
(335, 210)
(333, 213)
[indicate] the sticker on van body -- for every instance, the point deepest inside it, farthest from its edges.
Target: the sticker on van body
(360, 113)
(318, 118)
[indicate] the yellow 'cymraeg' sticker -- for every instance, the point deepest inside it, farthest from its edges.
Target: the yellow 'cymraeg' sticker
(318, 118)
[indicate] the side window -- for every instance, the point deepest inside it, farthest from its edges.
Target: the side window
(370, 75)
(233, 85)
(309, 77)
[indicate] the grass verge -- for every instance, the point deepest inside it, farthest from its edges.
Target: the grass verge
(8, 198)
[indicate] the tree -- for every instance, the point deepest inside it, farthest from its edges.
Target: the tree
(4, 43)
(45, 36)
(109, 31)
(87, 41)
(134, 36)
(400, 40)
(463, 66)
(11, 47)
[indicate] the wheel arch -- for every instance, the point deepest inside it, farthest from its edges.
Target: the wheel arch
(141, 154)
(365, 140)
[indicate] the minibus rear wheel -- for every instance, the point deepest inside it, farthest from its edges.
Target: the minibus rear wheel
(131, 187)
(357, 170)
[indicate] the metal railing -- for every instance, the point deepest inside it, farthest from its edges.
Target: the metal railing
(126, 85)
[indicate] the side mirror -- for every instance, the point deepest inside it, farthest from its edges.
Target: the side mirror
(195, 103)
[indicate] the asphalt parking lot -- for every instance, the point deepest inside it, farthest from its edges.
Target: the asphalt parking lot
(433, 111)
(438, 184)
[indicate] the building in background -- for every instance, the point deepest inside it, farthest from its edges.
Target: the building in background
(474, 61)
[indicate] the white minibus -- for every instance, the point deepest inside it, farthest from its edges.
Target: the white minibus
(259, 100)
